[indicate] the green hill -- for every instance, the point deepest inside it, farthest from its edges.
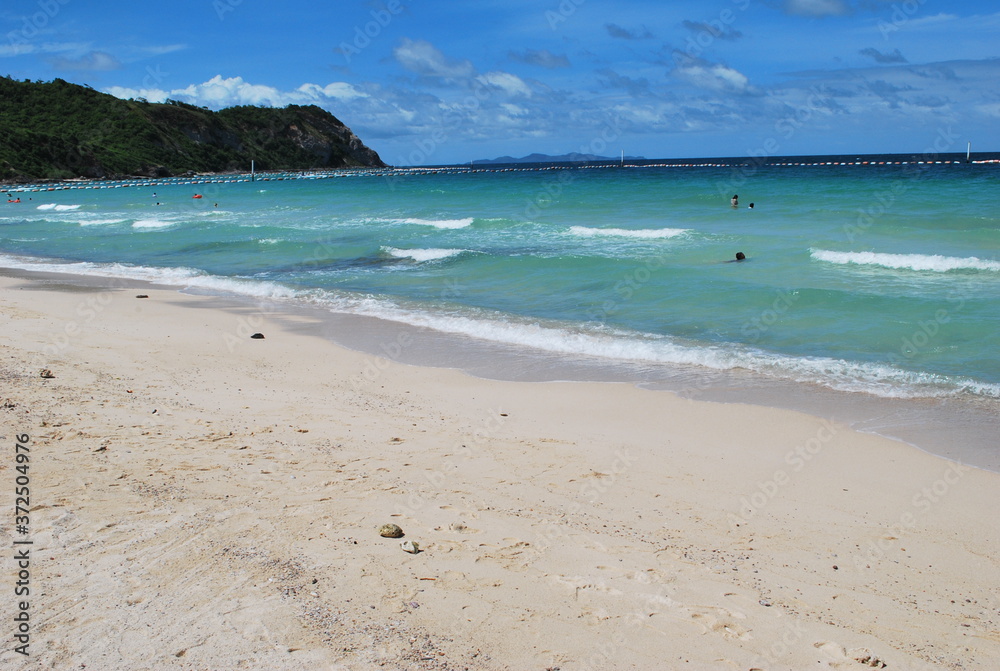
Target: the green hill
(58, 130)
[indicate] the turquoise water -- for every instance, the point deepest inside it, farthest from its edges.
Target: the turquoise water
(881, 280)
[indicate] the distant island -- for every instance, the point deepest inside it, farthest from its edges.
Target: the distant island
(58, 130)
(562, 158)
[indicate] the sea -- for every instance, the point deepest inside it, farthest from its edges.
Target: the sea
(869, 292)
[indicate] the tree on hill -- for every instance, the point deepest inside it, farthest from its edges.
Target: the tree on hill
(58, 130)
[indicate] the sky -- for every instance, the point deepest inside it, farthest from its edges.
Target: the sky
(426, 82)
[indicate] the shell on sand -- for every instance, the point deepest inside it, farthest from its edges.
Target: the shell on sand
(410, 546)
(390, 531)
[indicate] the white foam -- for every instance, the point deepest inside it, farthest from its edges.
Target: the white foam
(421, 255)
(921, 262)
(254, 288)
(438, 223)
(152, 223)
(179, 277)
(880, 379)
(58, 208)
(100, 222)
(642, 233)
(874, 378)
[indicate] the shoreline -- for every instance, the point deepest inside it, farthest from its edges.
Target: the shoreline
(572, 524)
(954, 428)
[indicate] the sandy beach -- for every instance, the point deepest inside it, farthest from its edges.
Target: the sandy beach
(203, 500)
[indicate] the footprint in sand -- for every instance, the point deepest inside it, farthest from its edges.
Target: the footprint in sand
(841, 658)
(720, 621)
(444, 547)
(459, 581)
(517, 554)
(576, 584)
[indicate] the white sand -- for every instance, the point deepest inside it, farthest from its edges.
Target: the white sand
(201, 500)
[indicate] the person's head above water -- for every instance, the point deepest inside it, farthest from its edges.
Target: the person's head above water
(740, 256)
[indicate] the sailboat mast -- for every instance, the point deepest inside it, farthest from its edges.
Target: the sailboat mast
(968, 152)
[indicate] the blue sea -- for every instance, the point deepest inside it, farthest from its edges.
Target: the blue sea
(869, 282)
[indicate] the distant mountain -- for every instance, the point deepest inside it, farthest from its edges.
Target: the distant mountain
(58, 130)
(562, 158)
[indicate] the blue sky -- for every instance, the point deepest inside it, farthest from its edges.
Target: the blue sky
(432, 82)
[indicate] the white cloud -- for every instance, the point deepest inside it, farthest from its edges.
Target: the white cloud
(125, 93)
(336, 91)
(714, 77)
(990, 110)
(642, 115)
(932, 20)
(510, 84)
(159, 50)
(18, 48)
(513, 110)
(218, 93)
(425, 59)
(95, 61)
(15, 49)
